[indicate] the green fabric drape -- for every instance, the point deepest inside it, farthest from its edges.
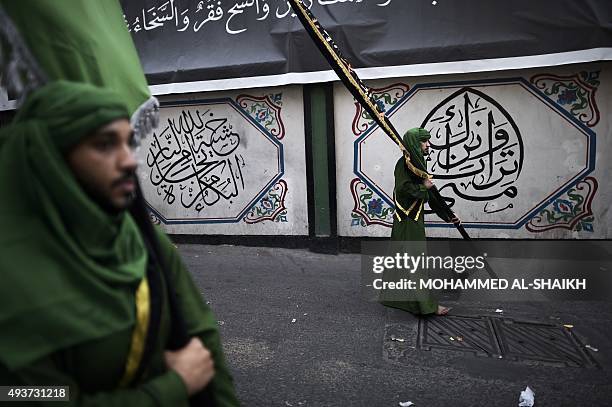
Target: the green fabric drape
(82, 41)
(93, 369)
(70, 110)
(61, 255)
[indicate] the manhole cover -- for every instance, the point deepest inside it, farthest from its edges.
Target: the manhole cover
(505, 338)
(547, 343)
(466, 334)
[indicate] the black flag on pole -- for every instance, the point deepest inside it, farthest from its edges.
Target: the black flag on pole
(360, 91)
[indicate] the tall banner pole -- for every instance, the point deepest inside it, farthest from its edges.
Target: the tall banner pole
(360, 92)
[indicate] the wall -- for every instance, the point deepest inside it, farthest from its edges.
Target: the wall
(533, 166)
(229, 163)
(518, 154)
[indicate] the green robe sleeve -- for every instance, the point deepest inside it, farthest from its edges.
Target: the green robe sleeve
(407, 189)
(200, 322)
(166, 389)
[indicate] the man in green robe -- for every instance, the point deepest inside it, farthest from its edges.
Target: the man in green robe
(410, 195)
(93, 296)
(90, 290)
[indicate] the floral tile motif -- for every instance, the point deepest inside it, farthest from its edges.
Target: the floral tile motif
(571, 211)
(385, 98)
(369, 209)
(271, 207)
(266, 110)
(575, 93)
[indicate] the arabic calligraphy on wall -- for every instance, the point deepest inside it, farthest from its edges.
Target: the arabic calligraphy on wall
(476, 149)
(196, 152)
(501, 149)
(183, 15)
(210, 161)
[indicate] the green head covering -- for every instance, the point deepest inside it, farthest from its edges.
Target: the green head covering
(72, 110)
(65, 263)
(75, 40)
(412, 141)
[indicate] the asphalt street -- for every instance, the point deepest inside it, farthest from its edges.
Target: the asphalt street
(297, 332)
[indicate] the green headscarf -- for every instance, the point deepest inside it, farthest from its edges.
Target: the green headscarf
(66, 265)
(412, 141)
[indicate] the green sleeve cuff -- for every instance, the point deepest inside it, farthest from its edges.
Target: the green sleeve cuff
(168, 389)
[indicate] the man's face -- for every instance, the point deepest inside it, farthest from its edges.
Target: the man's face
(104, 164)
(425, 147)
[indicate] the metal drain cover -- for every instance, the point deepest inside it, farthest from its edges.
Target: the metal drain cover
(540, 342)
(466, 334)
(495, 337)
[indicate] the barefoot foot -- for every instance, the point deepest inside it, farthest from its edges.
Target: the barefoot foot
(442, 310)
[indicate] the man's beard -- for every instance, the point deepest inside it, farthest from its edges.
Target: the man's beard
(128, 198)
(106, 203)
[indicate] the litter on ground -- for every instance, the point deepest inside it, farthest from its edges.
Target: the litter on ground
(527, 398)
